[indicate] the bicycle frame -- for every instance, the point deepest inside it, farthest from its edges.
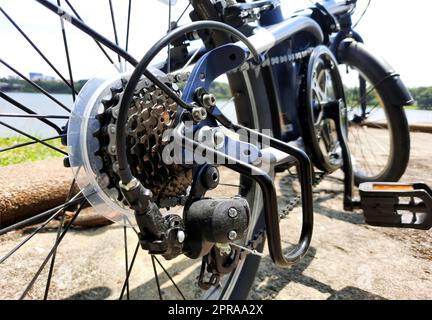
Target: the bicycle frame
(278, 40)
(271, 39)
(281, 38)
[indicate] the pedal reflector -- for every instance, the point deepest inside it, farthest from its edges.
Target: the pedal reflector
(405, 187)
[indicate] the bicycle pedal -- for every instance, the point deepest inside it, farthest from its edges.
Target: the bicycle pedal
(397, 205)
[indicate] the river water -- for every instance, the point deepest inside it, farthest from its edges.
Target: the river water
(42, 105)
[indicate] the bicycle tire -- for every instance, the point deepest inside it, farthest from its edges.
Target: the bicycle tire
(399, 152)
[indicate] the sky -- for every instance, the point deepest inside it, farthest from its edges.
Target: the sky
(395, 29)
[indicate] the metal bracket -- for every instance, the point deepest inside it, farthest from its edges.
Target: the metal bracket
(265, 182)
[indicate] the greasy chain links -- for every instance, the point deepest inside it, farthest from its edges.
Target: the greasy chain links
(151, 113)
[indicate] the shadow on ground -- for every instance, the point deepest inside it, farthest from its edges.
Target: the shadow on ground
(269, 283)
(97, 293)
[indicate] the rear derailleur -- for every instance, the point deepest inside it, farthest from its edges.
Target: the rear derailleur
(207, 229)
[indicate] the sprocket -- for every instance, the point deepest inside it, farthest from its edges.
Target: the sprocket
(151, 113)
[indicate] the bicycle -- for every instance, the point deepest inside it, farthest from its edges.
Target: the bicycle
(284, 77)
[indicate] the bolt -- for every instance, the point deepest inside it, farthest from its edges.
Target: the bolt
(232, 235)
(199, 114)
(224, 249)
(209, 100)
(181, 236)
(232, 213)
(219, 139)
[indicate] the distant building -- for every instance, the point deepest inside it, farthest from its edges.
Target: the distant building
(37, 76)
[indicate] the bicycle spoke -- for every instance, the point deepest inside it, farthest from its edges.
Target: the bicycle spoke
(361, 147)
(29, 237)
(226, 104)
(29, 111)
(131, 225)
(182, 14)
(171, 279)
(114, 27)
(87, 30)
(169, 44)
(24, 144)
(373, 109)
(35, 47)
(34, 85)
(57, 243)
(368, 148)
(115, 48)
(363, 99)
(156, 277)
(126, 257)
(129, 271)
(192, 58)
(51, 269)
(35, 116)
(66, 47)
(36, 219)
(128, 25)
(365, 157)
(97, 43)
(371, 147)
(33, 138)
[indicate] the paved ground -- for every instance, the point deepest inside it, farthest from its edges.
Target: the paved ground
(347, 259)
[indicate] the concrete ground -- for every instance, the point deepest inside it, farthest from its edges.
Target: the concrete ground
(347, 259)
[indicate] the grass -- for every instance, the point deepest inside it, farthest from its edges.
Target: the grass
(413, 107)
(32, 152)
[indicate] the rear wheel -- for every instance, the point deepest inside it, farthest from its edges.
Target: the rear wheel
(162, 279)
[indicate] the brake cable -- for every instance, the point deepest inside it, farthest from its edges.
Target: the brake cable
(363, 14)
